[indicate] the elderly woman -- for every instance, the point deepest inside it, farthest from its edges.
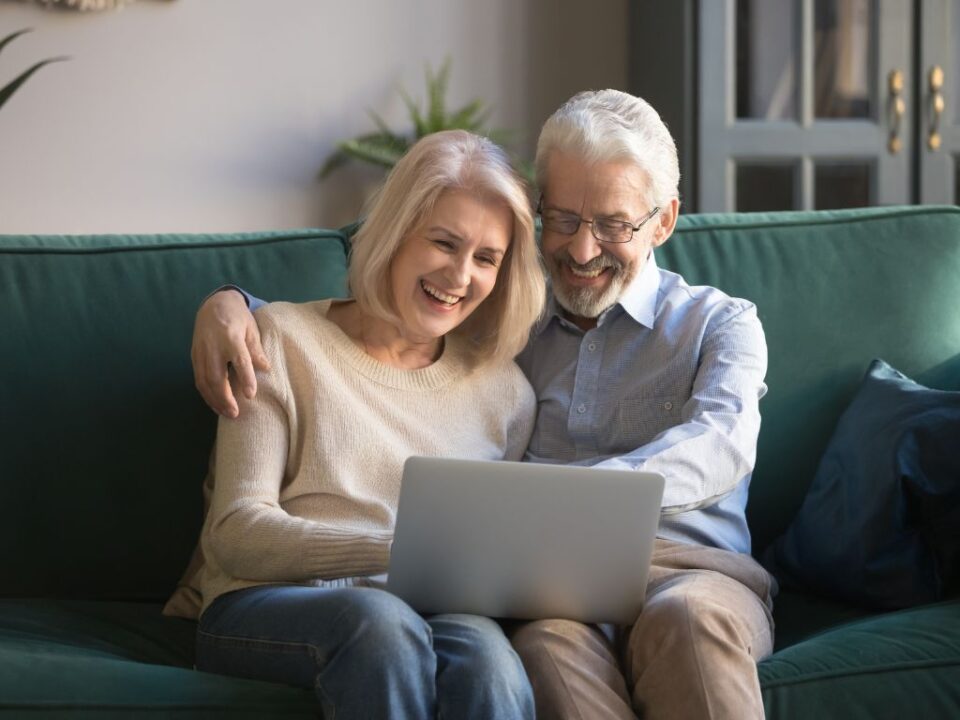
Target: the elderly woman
(446, 284)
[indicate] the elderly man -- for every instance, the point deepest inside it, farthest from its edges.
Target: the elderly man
(633, 369)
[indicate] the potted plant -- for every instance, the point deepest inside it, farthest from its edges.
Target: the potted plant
(385, 147)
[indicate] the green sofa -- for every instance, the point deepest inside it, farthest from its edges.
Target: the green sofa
(105, 443)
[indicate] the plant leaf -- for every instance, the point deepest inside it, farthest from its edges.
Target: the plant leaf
(335, 160)
(469, 117)
(7, 91)
(527, 170)
(382, 125)
(13, 36)
(372, 150)
(437, 97)
(383, 145)
(502, 137)
(419, 124)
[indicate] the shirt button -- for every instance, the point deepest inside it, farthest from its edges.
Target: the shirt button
(668, 406)
(582, 408)
(591, 347)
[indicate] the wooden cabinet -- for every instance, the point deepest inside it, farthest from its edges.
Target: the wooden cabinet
(805, 104)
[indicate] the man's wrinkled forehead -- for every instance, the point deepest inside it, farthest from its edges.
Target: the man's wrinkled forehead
(573, 178)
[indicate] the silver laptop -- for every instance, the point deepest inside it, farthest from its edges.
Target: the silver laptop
(524, 540)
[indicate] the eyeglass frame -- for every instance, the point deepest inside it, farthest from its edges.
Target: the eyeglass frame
(593, 230)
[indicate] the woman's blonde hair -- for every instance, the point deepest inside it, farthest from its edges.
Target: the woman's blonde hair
(454, 160)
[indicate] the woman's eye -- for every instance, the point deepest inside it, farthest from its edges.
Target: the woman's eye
(445, 244)
(487, 260)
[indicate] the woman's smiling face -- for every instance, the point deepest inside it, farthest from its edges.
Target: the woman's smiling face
(448, 264)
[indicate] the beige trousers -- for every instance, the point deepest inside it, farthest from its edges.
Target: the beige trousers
(691, 654)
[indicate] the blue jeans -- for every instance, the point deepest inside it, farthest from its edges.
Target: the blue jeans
(366, 653)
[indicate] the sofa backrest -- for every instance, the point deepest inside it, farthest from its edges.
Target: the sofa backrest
(104, 441)
(833, 290)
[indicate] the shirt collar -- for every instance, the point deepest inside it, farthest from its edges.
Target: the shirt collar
(639, 300)
(640, 297)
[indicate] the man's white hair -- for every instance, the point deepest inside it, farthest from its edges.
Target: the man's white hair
(607, 125)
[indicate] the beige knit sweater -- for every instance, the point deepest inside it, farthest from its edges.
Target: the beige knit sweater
(307, 478)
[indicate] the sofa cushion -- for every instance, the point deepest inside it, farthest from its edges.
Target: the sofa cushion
(902, 664)
(102, 659)
(798, 616)
(105, 438)
(832, 290)
(880, 525)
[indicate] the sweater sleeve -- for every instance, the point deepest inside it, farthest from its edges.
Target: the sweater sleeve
(523, 410)
(250, 535)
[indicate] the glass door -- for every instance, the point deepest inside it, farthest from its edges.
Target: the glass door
(804, 104)
(939, 94)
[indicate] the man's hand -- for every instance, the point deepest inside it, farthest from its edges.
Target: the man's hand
(226, 335)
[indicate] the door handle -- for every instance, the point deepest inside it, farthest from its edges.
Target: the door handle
(897, 108)
(936, 107)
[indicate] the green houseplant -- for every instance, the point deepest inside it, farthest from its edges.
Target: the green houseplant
(384, 147)
(7, 91)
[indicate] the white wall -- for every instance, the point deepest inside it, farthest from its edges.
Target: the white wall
(215, 115)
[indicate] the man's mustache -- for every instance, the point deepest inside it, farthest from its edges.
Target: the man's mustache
(600, 262)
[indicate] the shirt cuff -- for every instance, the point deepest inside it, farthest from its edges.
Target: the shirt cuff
(252, 302)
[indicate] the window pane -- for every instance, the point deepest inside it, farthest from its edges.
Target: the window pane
(842, 50)
(766, 70)
(841, 185)
(765, 186)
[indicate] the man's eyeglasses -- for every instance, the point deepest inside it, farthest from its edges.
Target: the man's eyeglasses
(604, 229)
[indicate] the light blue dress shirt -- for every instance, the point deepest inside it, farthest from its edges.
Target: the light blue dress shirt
(670, 381)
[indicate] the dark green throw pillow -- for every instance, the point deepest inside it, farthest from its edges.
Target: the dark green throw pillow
(880, 525)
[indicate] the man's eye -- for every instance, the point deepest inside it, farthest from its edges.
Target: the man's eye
(562, 222)
(612, 226)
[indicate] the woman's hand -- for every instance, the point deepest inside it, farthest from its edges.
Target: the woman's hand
(226, 335)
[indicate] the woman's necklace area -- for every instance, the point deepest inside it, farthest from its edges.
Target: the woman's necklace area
(364, 327)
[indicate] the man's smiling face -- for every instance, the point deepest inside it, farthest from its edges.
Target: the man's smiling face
(588, 275)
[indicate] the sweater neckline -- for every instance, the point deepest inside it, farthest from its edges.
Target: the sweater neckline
(451, 364)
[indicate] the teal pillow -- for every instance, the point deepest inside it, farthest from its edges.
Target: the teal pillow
(880, 525)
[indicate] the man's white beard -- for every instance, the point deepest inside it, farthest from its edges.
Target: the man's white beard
(590, 302)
